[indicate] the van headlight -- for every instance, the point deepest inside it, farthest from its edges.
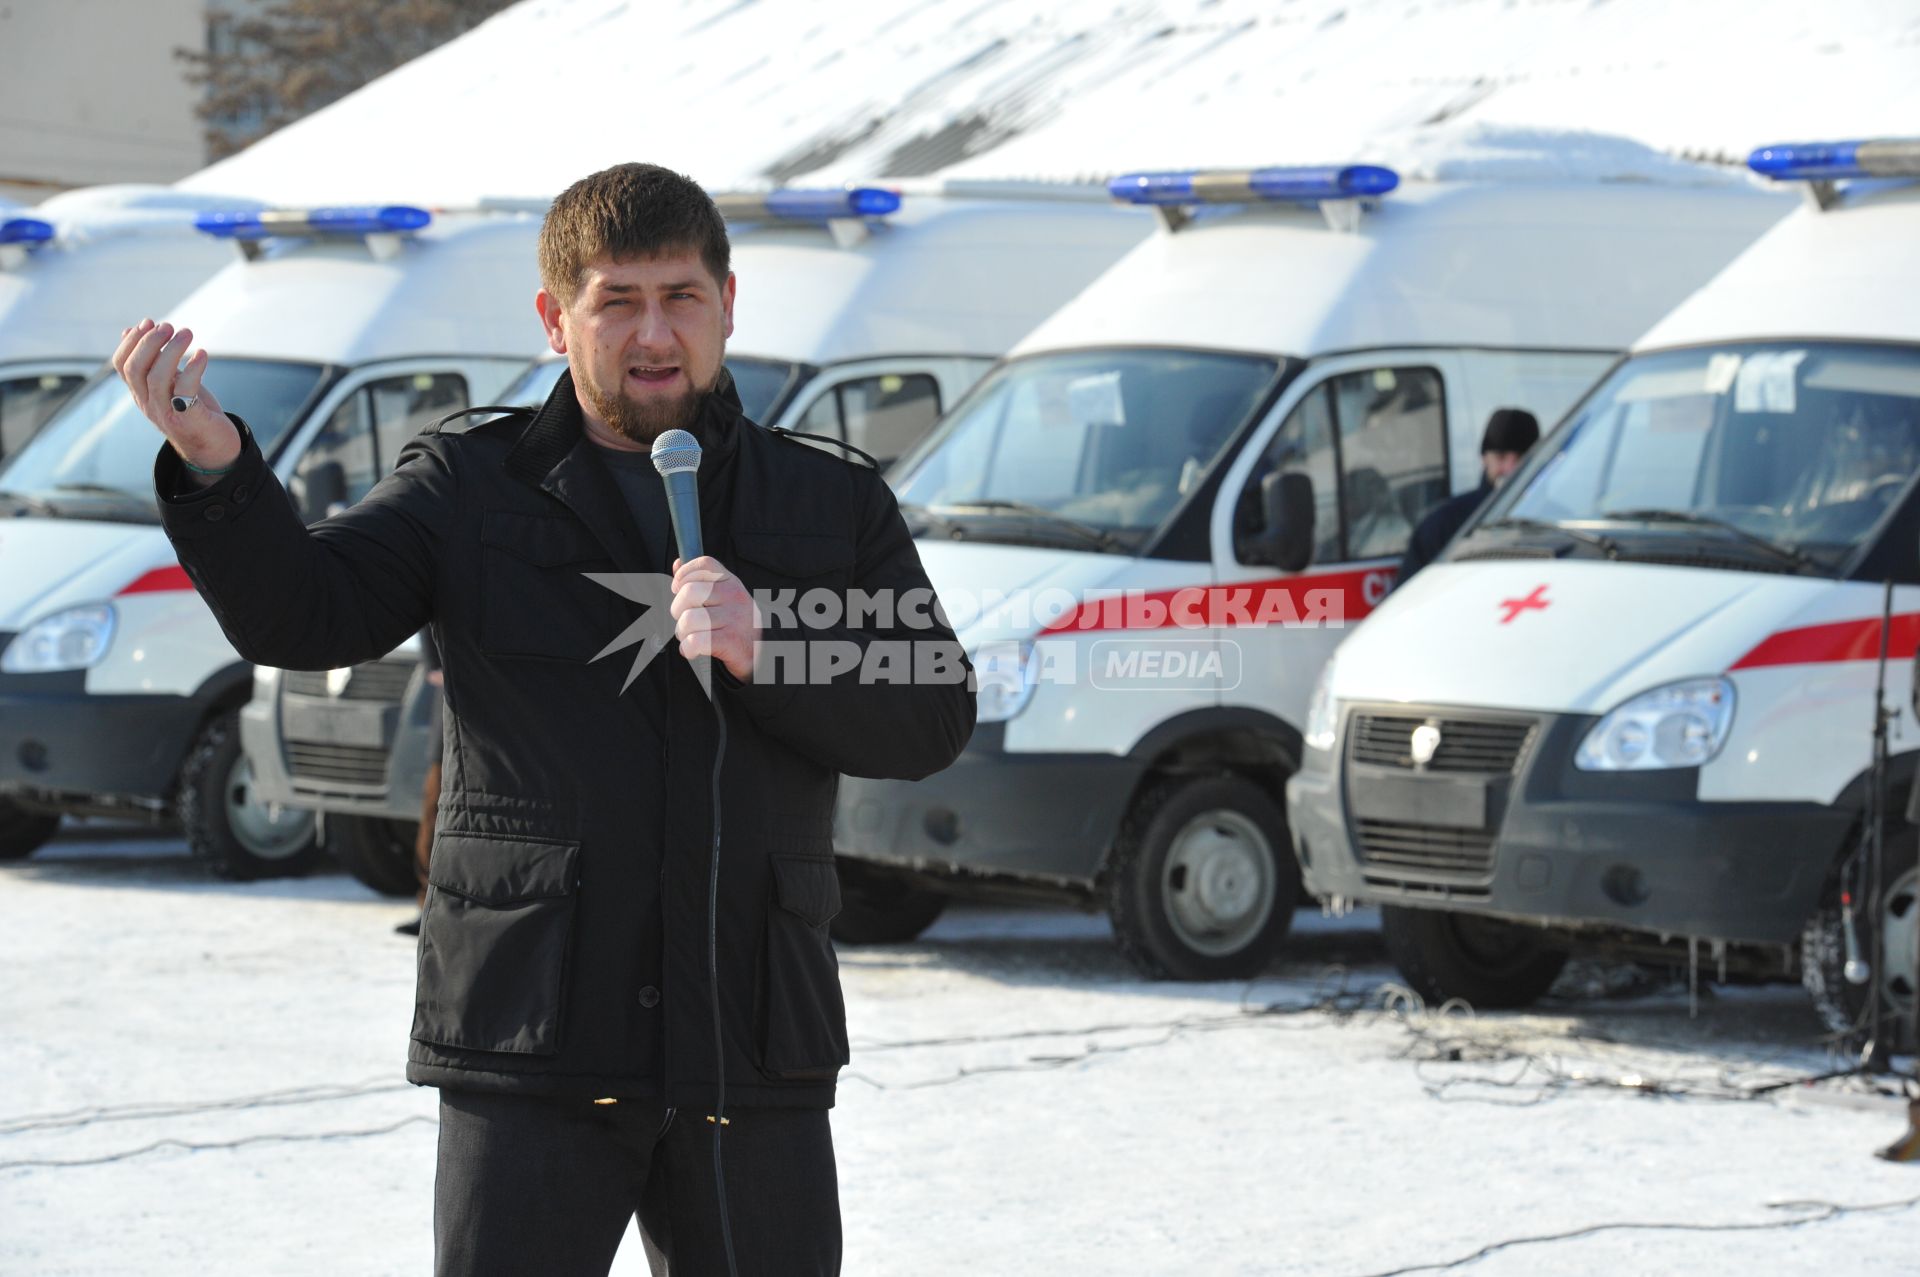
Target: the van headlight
(1679, 725)
(71, 640)
(1004, 678)
(1323, 714)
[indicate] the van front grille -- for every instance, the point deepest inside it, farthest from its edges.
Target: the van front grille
(315, 766)
(1400, 854)
(382, 680)
(1477, 746)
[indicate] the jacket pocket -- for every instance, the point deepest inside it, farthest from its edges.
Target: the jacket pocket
(534, 597)
(804, 1017)
(494, 941)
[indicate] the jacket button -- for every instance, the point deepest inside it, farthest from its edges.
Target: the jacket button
(216, 512)
(241, 493)
(649, 997)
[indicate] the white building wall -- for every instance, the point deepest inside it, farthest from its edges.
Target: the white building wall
(90, 92)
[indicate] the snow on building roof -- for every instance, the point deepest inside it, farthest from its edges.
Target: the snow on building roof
(741, 93)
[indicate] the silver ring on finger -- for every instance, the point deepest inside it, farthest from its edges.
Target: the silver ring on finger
(183, 402)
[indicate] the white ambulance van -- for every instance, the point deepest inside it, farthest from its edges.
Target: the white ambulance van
(1151, 522)
(337, 335)
(1632, 708)
(71, 270)
(862, 314)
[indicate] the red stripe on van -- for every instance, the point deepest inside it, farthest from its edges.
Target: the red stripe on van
(1836, 641)
(1331, 597)
(173, 578)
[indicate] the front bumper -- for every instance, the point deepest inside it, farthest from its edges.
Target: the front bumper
(1632, 851)
(58, 742)
(354, 754)
(1041, 818)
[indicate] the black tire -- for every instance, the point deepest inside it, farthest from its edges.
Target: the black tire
(1203, 883)
(24, 832)
(236, 836)
(882, 908)
(1488, 963)
(1844, 1007)
(377, 851)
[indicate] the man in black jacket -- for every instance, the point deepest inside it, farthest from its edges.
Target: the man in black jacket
(564, 1005)
(1510, 434)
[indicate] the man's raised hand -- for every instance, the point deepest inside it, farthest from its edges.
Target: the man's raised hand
(148, 359)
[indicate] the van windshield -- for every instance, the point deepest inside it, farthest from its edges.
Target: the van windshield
(94, 457)
(1790, 454)
(1089, 449)
(763, 384)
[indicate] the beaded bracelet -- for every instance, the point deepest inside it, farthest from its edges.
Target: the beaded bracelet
(202, 470)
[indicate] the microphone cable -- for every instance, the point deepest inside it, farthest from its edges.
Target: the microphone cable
(719, 1117)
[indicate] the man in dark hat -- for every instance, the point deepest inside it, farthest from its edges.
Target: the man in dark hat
(1510, 433)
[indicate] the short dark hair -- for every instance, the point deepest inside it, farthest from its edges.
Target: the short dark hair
(625, 212)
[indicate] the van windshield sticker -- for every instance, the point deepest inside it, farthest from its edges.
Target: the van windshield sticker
(1721, 370)
(1767, 382)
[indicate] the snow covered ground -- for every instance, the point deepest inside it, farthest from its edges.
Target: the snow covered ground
(1018, 1103)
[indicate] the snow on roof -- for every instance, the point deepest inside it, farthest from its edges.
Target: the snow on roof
(741, 93)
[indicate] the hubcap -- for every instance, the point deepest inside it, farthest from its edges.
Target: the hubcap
(1219, 882)
(266, 832)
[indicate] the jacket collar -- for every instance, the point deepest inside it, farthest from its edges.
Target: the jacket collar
(555, 455)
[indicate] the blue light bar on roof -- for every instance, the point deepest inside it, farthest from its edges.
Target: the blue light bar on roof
(809, 205)
(392, 219)
(1238, 186)
(25, 230)
(1826, 161)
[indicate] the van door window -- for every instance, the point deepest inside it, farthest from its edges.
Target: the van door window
(1393, 454)
(884, 415)
(339, 465)
(362, 439)
(1305, 445)
(404, 406)
(888, 414)
(822, 416)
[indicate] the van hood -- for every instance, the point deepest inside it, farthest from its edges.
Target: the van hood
(49, 564)
(1573, 637)
(998, 592)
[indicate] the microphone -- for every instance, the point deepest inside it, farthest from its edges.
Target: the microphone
(1857, 971)
(676, 455)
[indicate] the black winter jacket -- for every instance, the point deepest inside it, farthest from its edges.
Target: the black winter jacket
(564, 946)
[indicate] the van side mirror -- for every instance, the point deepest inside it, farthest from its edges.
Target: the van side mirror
(320, 490)
(1285, 538)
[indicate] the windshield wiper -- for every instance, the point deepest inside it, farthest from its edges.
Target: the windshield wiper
(1097, 536)
(92, 487)
(1787, 553)
(27, 503)
(1605, 544)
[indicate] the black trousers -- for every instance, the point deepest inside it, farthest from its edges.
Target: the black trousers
(530, 1185)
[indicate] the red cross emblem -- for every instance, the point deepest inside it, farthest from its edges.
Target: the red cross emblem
(1534, 602)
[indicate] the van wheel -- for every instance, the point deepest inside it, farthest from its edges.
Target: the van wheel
(882, 908)
(377, 851)
(1488, 963)
(1885, 934)
(1203, 883)
(24, 832)
(226, 824)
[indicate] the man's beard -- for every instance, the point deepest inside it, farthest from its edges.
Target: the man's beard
(643, 422)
